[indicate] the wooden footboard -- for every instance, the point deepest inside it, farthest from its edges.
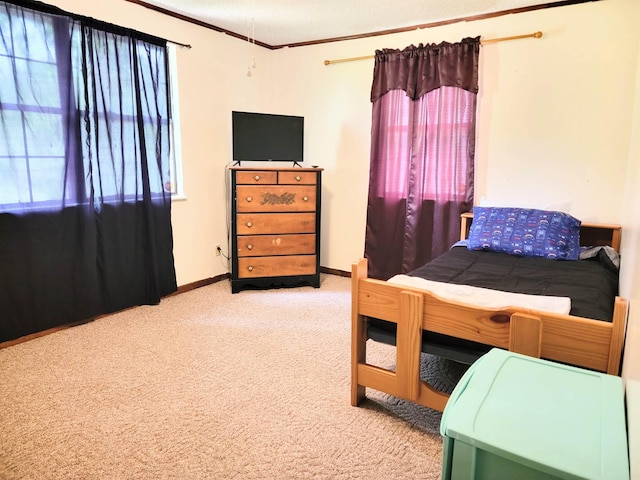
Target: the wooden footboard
(591, 344)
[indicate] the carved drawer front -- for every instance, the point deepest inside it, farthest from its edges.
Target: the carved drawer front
(259, 245)
(291, 198)
(254, 267)
(295, 178)
(276, 223)
(257, 177)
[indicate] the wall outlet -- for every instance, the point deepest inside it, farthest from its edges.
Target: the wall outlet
(218, 250)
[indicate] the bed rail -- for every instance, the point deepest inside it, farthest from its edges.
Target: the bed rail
(591, 344)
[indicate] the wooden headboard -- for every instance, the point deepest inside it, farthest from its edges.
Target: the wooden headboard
(591, 234)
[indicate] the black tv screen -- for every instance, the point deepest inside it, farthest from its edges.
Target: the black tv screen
(267, 137)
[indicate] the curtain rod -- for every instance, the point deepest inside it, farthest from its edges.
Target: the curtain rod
(482, 42)
(183, 45)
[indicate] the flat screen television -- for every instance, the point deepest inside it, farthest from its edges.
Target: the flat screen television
(267, 137)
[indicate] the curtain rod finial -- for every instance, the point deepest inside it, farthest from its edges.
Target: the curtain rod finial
(537, 35)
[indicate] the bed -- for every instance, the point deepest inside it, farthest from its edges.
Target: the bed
(417, 320)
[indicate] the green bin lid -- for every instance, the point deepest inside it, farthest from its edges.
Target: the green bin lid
(555, 418)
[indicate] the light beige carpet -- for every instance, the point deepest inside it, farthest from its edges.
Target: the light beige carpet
(210, 385)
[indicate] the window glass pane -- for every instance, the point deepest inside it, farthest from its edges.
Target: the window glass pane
(132, 181)
(14, 180)
(118, 172)
(40, 45)
(38, 29)
(8, 92)
(155, 175)
(5, 44)
(115, 87)
(11, 134)
(103, 171)
(44, 134)
(47, 178)
(37, 83)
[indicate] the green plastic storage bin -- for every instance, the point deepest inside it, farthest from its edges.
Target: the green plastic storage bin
(515, 417)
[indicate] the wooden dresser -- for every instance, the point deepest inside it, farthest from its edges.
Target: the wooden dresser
(275, 227)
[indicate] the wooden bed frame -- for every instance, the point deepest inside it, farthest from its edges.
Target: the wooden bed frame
(592, 344)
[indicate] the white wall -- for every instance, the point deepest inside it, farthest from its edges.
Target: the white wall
(554, 116)
(630, 272)
(554, 121)
(630, 279)
(558, 122)
(212, 83)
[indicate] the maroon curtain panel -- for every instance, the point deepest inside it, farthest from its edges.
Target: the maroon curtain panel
(422, 153)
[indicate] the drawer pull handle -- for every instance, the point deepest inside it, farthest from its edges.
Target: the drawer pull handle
(306, 199)
(298, 178)
(257, 178)
(249, 199)
(249, 247)
(250, 268)
(249, 224)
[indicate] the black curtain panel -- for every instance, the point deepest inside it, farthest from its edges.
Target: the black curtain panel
(422, 153)
(85, 214)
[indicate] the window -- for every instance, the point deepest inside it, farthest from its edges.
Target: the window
(46, 156)
(84, 163)
(32, 170)
(421, 133)
(422, 151)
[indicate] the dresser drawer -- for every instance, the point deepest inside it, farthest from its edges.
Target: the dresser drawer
(294, 178)
(277, 223)
(254, 267)
(291, 198)
(261, 245)
(256, 177)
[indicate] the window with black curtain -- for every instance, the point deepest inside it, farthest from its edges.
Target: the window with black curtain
(85, 201)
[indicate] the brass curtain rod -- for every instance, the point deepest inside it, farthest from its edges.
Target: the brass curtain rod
(482, 42)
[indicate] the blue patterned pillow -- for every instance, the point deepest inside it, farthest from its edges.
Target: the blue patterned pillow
(525, 232)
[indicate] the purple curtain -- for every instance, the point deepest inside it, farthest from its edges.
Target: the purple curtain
(422, 153)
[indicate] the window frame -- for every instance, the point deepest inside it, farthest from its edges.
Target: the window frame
(175, 135)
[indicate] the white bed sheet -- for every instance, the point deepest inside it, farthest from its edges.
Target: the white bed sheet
(485, 297)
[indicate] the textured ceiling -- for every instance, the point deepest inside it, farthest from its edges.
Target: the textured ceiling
(289, 22)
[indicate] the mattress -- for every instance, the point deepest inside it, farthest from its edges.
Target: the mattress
(591, 284)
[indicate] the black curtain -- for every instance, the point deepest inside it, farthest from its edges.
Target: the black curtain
(85, 204)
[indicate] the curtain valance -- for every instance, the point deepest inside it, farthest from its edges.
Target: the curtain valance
(419, 70)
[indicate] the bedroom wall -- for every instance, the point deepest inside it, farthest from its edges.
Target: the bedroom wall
(554, 121)
(558, 122)
(630, 274)
(212, 82)
(554, 115)
(557, 126)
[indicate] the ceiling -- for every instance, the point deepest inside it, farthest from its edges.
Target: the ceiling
(278, 23)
